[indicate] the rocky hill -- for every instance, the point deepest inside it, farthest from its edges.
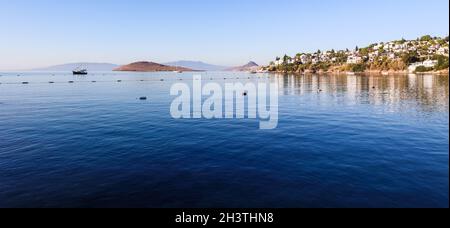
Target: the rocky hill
(150, 67)
(251, 66)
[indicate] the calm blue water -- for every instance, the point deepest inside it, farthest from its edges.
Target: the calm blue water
(96, 145)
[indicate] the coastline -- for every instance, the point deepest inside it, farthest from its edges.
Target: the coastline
(366, 72)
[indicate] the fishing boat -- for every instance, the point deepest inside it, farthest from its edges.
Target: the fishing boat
(177, 70)
(80, 71)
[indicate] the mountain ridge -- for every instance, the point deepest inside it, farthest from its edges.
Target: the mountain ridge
(198, 65)
(91, 66)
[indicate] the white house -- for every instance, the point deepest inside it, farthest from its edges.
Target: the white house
(278, 62)
(304, 59)
(428, 63)
(352, 59)
(442, 51)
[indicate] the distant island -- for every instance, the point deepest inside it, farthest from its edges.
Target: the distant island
(425, 54)
(251, 66)
(181, 66)
(198, 65)
(71, 66)
(150, 67)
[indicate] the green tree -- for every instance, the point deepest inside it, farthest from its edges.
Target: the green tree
(421, 69)
(410, 58)
(286, 59)
(443, 62)
(426, 38)
(364, 51)
(358, 68)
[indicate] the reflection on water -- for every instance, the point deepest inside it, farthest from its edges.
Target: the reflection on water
(342, 141)
(431, 92)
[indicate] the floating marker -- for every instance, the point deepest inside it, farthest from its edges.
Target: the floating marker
(244, 94)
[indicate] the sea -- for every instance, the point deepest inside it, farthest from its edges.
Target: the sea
(341, 141)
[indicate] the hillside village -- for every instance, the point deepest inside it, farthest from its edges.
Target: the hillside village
(425, 54)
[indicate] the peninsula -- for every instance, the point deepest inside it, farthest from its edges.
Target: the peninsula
(426, 54)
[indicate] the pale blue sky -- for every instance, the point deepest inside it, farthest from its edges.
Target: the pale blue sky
(227, 32)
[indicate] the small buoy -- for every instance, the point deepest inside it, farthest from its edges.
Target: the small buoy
(244, 94)
(142, 98)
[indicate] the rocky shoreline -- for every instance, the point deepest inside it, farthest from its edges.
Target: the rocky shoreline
(367, 72)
